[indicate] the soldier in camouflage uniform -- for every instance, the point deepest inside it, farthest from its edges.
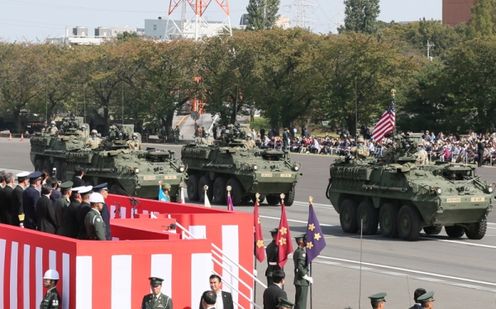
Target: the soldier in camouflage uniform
(51, 300)
(93, 221)
(301, 277)
(156, 299)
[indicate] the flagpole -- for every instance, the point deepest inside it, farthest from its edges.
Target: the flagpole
(310, 202)
(360, 280)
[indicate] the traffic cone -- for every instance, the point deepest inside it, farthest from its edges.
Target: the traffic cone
(22, 137)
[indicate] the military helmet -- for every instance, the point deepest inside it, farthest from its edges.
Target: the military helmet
(51, 274)
(360, 140)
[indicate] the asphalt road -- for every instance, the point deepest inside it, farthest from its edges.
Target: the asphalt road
(461, 272)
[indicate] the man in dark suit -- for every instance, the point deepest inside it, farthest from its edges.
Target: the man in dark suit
(224, 297)
(272, 252)
(16, 206)
(274, 291)
(418, 292)
(78, 178)
(69, 226)
(29, 198)
(45, 212)
(8, 191)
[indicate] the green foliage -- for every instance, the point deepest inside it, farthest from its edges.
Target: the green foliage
(483, 21)
(360, 16)
(262, 14)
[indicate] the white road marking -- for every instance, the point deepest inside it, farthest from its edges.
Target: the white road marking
(462, 243)
(405, 270)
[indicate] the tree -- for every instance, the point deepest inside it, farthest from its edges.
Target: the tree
(262, 14)
(483, 21)
(360, 73)
(360, 16)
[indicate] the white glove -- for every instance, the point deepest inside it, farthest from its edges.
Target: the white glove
(309, 279)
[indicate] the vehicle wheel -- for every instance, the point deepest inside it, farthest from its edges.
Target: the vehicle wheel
(273, 199)
(192, 187)
(369, 215)
(388, 218)
(236, 191)
(476, 230)
(260, 199)
(117, 189)
(290, 196)
(219, 191)
(408, 223)
(205, 181)
(433, 229)
(454, 231)
(347, 216)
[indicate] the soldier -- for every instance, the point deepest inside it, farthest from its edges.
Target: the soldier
(272, 257)
(93, 221)
(378, 300)
(29, 198)
(421, 156)
(51, 300)
(62, 204)
(134, 143)
(103, 190)
(52, 128)
(360, 150)
(426, 300)
(157, 299)
(93, 142)
(301, 278)
(17, 209)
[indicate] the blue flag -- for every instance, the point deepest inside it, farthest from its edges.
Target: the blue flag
(315, 241)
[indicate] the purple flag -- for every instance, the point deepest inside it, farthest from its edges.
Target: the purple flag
(314, 236)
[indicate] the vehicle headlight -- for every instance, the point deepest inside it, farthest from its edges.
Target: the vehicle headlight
(136, 170)
(181, 169)
(255, 167)
(296, 168)
(439, 191)
(490, 189)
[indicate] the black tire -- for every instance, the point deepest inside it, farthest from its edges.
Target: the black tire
(408, 223)
(347, 216)
(388, 219)
(370, 217)
(117, 189)
(433, 229)
(219, 191)
(454, 231)
(273, 199)
(192, 188)
(290, 196)
(237, 193)
(205, 181)
(476, 230)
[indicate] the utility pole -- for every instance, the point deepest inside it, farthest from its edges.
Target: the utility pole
(429, 45)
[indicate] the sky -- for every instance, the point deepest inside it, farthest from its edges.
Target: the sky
(36, 20)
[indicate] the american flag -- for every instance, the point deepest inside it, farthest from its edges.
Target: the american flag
(385, 125)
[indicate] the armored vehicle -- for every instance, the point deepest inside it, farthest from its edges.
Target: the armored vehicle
(403, 196)
(246, 169)
(127, 169)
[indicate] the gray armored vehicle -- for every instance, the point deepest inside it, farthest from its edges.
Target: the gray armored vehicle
(116, 159)
(403, 196)
(247, 169)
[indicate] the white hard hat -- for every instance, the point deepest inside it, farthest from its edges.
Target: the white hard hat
(94, 131)
(96, 197)
(51, 274)
(52, 122)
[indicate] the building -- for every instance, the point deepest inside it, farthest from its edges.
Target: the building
(81, 35)
(457, 11)
(169, 29)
